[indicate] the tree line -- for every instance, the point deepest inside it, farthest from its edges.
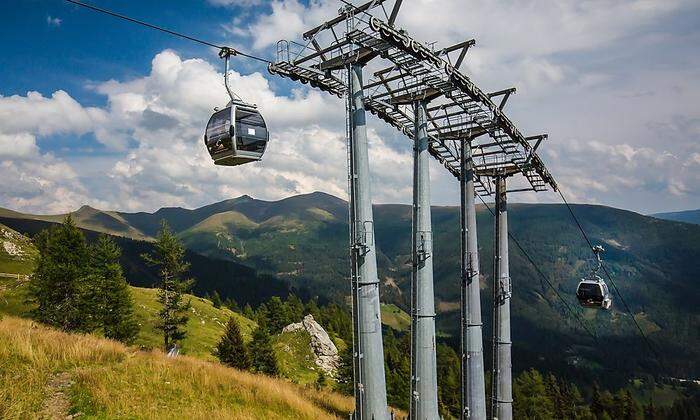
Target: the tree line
(81, 287)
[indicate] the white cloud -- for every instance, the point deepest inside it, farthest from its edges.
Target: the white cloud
(164, 113)
(59, 114)
(629, 149)
(53, 21)
(17, 145)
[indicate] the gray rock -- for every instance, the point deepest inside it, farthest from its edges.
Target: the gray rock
(325, 351)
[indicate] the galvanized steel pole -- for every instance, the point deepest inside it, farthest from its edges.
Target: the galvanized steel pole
(472, 347)
(502, 385)
(370, 382)
(424, 400)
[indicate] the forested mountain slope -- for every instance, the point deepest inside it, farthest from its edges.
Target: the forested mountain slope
(303, 241)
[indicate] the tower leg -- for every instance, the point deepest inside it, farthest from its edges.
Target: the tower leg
(424, 401)
(370, 382)
(502, 382)
(472, 347)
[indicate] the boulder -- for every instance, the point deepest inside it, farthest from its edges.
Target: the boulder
(325, 351)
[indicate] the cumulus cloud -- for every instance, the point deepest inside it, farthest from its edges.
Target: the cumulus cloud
(610, 140)
(161, 117)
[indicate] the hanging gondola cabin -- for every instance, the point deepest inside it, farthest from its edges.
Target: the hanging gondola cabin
(236, 135)
(592, 292)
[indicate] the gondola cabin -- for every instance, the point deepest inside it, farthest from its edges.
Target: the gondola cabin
(236, 135)
(594, 293)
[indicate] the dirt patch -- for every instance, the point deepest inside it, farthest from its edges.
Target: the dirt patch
(57, 404)
(447, 306)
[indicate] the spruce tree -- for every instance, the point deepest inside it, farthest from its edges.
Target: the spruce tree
(231, 350)
(320, 381)
(277, 315)
(60, 285)
(112, 296)
(295, 309)
(262, 355)
(216, 300)
(232, 304)
(530, 397)
(169, 259)
(345, 382)
(248, 312)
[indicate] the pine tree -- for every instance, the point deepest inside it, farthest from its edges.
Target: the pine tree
(277, 316)
(248, 311)
(262, 355)
(650, 411)
(345, 382)
(321, 381)
(60, 286)
(232, 304)
(113, 298)
(216, 300)
(633, 410)
(530, 397)
(169, 258)
(231, 350)
(555, 393)
(295, 309)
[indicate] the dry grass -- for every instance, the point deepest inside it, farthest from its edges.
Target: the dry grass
(114, 381)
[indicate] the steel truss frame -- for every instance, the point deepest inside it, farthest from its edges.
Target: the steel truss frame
(459, 110)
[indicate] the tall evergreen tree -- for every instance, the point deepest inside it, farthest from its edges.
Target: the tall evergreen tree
(169, 259)
(232, 304)
(60, 286)
(112, 297)
(530, 397)
(345, 381)
(262, 355)
(248, 311)
(216, 300)
(277, 315)
(231, 350)
(448, 381)
(295, 308)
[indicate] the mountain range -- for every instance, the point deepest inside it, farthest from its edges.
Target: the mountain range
(688, 216)
(299, 245)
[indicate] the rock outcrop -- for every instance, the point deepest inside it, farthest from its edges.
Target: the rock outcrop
(324, 350)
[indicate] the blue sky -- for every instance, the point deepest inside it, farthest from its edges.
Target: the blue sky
(615, 83)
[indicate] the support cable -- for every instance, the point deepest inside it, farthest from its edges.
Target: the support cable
(607, 274)
(546, 279)
(165, 30)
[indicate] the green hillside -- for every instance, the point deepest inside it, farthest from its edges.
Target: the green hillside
(205, 326)
(303, 240)
(689, 216)
(89, 218)
(17, 253)
(50, 374)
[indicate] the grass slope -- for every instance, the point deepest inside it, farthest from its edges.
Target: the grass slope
(17, 253)
(395, 317)
(104, 379)
(89, 218)
(204, 328)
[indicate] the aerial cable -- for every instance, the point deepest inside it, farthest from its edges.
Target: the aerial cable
(607, 274)
(544, 277)
(167, 31)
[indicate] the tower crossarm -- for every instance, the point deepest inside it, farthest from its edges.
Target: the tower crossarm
(405, 70)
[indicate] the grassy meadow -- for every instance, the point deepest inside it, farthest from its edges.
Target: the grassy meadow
(100, 378)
